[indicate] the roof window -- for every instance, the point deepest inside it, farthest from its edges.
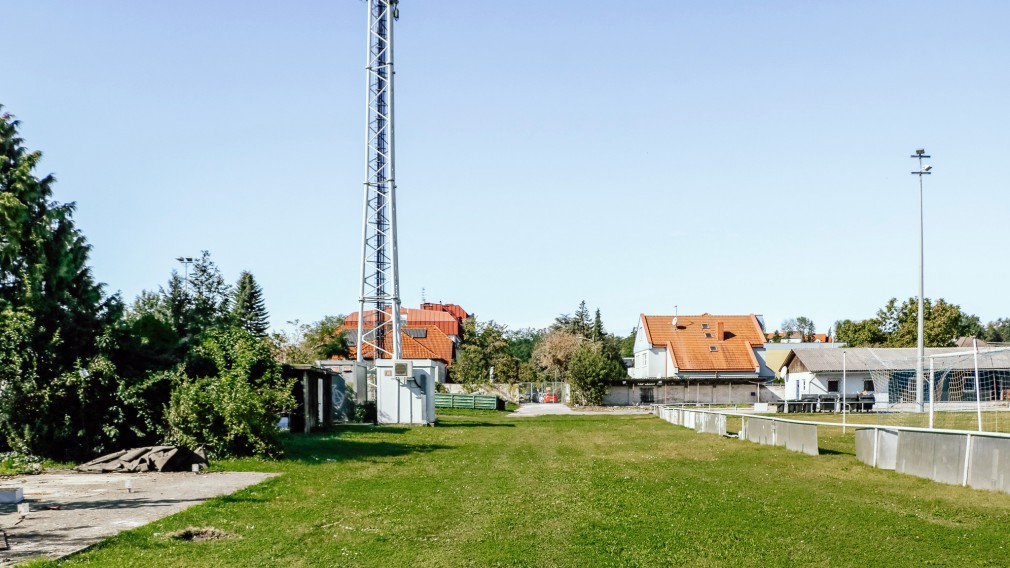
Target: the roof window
(713, 348)
(704, 326)
(708, 335)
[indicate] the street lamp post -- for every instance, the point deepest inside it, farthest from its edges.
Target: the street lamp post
(924, 169)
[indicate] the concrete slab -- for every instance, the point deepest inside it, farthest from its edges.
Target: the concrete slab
(71, 511)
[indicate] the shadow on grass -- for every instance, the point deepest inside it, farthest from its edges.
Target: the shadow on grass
(440, 424)
(327, 448)
(829, 452)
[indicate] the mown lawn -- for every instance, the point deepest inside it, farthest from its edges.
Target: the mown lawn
(489, 490)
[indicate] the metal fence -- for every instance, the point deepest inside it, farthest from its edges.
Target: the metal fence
(552, 392)
(476, 401)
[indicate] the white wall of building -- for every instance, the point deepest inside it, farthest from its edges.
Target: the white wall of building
(681, 391)
(798, 384)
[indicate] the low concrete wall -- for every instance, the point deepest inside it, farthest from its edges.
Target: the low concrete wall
(767, 431)
(710, 423)
(976, 460)
(792, 436)
(759, 431)
(800, 438)
(700, 421)
(939, 457)
(990, 464)
(885, 450)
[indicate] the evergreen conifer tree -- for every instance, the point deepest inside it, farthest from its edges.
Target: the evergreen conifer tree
(248, 307)
(45, 282)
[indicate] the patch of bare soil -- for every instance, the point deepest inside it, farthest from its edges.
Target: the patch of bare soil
(197, 534)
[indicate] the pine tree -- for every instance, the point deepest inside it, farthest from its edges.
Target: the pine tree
(248, 307)
(598, 331)
(59, 409)
(580, 323)
(209, 296)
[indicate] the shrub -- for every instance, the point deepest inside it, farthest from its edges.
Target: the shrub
(232, 405)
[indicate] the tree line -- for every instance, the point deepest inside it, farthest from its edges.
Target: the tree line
(896, 325)
(81, 373)
(575, 349)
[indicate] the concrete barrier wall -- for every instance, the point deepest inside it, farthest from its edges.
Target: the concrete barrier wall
(700, 421)
(935, 456)
(989, 466)
(796, 437)
(940, 456)
(760, 431)
(886, 447)
(687, 418)
(710, 423)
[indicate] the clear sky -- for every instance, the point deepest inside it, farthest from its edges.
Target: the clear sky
(722, 157)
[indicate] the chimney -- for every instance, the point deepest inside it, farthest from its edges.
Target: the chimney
(720, 331)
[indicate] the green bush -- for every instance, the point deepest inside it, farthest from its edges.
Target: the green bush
(232, 406)
(366, 412)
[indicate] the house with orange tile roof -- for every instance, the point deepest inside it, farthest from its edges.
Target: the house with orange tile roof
(413, 317)
(424, 341)
(689, 358)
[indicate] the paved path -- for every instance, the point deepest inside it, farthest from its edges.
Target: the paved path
(71, 511)
(533, 409)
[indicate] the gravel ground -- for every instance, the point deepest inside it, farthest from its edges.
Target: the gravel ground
(70, 511)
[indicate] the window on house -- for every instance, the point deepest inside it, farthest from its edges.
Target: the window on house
(833, 386)
(709, 335)
(713, 348)
(704, 326)
(868, 383)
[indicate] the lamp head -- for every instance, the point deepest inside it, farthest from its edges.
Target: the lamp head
(927, 167)
(920, 151)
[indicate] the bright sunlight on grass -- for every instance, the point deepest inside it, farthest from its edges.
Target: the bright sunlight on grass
(484, 489)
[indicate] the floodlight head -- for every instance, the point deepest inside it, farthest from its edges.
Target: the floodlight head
(920, 151)
(927, 167)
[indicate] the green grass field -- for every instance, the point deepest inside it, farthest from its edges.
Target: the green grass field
(483, 489)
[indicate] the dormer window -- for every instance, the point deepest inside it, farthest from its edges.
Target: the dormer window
(713, 348)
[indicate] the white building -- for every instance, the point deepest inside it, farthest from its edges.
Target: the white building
(703, 358)
(887, 374)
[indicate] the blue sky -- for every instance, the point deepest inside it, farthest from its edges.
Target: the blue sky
(722, 157)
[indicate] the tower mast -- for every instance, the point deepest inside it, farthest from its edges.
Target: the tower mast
(379, 326)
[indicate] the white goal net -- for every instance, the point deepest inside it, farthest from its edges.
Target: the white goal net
(958, 389)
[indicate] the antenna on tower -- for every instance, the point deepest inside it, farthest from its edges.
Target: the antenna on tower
(379, 327)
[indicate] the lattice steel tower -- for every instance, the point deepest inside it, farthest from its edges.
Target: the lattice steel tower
(379, 309)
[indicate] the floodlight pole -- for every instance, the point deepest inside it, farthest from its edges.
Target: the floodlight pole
(843, 391)
(186, 261)
(923, 170)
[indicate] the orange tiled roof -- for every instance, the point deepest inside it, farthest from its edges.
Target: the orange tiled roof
(434, 345)
(690, 342)
(444, 320)
(457, 311)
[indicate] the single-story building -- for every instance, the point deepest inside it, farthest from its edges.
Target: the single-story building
(885, 377)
